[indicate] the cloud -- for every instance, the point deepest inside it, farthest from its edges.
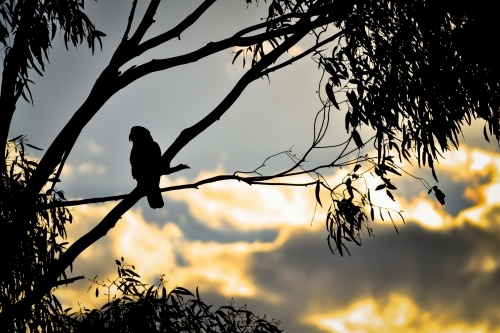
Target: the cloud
(247, 207)
(398, 314)
(255, 207)
(156, 250)
(440, 273)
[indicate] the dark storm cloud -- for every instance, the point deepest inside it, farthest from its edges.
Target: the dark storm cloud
(432, 268)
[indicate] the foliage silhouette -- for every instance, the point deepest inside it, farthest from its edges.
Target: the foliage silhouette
(27, 29)
(39, 248)
(403, 69)
(150, 308)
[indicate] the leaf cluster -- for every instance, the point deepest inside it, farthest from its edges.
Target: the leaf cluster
(28, 27)
(407, 71)
(347, 216)
(38, 246)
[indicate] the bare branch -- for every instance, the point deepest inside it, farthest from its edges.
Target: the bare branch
(196, 185)
(130, 20)
(146, 22)
(177, 30)
(156, 65)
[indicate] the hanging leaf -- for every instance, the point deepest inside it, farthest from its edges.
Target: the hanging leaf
(16, 138)
(357, 139)
(339, 241)
(380, 187)
(485, 135)
(394, 224)
(349, 187)
(351, 96)
(439, 195)
(390, 186)
(236, 56)
(33, 147)
(347, 121)
(317, 193)
(389, 194)
(329, 244)
(96, 292)
(356, 168)
(331, 95)
(327, 220)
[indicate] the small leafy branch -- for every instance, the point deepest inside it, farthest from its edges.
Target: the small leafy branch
(150, 308)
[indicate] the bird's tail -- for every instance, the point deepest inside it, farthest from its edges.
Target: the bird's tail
(154, 199)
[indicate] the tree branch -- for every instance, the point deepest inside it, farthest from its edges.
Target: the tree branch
(44, 285)
(252, 74)
(146, 22)
(130, 20)
(247, 180)
(156, 65)
(303, 54)
(11, 67)
(269, 23)
(101, 199)
(177, 30)
(103, 89)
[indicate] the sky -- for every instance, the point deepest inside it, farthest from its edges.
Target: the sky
(263, 246)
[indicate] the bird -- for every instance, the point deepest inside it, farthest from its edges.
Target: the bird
(145, 160)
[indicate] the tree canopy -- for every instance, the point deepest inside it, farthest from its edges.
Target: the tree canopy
(405, 69)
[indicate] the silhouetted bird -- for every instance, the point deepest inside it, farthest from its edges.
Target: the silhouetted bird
(145, 159)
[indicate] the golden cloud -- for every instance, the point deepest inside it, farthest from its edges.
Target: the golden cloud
(247, 207)
(153, 249)
(225, 268)
(257, 207)
(398, 314)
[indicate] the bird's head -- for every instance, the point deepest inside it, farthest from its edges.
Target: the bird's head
(139, 133)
